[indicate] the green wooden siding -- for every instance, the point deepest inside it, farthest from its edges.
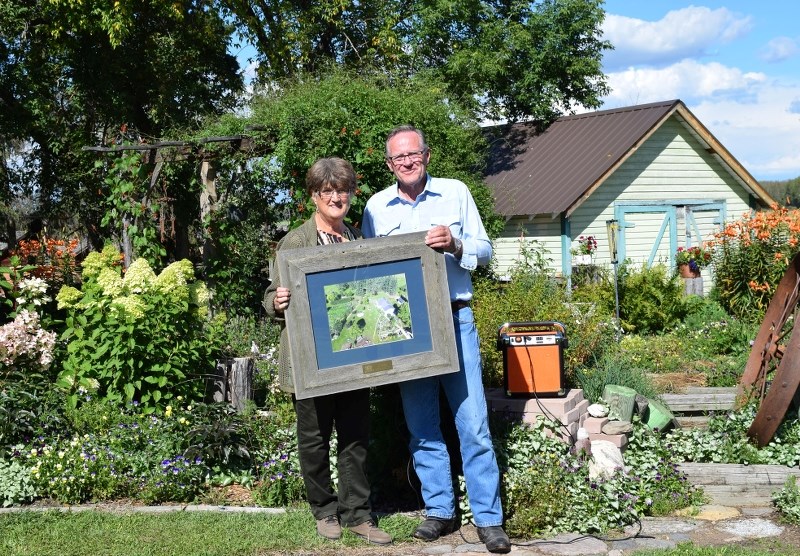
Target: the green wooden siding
(671, 170)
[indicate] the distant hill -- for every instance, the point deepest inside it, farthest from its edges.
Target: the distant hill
(786, 192)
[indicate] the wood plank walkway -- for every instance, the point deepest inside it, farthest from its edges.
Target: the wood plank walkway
(728, 484)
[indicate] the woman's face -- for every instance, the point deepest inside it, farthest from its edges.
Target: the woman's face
(332, 202)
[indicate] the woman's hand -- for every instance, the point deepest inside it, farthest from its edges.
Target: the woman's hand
(281, 301)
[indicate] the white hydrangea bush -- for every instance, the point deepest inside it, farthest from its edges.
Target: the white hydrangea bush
(137, 333)
(25, 346)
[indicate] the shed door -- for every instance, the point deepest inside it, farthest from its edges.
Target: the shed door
(653, 232)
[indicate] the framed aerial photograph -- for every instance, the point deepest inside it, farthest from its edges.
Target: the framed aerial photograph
(367, 313)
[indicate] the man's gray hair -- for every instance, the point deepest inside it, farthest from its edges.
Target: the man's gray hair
(402, 129)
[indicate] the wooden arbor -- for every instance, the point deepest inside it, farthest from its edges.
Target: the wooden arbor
(157, 154)
(773, 368)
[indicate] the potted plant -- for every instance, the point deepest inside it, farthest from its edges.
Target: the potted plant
(691, 259)
(583, 252)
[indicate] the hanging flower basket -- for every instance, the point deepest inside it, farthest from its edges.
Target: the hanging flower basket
(686, 271)
(691, 260)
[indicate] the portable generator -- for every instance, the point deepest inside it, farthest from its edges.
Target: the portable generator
(533, 358)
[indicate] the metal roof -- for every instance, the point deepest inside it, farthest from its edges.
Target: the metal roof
(553, 172)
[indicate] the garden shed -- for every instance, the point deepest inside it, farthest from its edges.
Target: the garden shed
(654, 169)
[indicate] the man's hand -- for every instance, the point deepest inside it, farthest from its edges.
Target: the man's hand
(439, 237)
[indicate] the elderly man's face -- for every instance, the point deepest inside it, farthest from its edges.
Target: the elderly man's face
(409, 170)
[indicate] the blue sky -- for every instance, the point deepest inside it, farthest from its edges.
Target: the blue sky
(735, 64)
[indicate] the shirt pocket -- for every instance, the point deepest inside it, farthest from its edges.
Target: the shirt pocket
(452, 221)
(386, 227)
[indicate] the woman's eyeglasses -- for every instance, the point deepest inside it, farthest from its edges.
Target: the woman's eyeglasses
(326, 194)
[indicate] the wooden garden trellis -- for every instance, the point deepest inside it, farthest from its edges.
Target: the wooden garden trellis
(153, 154)
(232, 380)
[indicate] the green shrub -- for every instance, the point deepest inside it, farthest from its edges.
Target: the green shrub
(126, 452)
(281, 484)
(536, 497)
(218, 437)
(534, 296)
(177, 479)
(27, 413)
(660, 487)
(140, 337)
(277, 464)
(726, 441)
(75, 470)
(242, 335)
(546, 489)
(714, 342)
(665, 353)
(713, 331)
(612, 368)
(787, 500)
(650, 299)
(16, 486)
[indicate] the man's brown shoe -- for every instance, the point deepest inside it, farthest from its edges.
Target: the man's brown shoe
(370, 532)
(329, 528)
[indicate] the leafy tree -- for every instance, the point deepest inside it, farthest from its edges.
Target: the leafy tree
(786, 193)
(77, 73)
(348, 116)
(503, 58)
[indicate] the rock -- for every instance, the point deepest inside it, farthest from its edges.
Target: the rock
(606, 459)
(641, 404)
(617, 427)
(709, 512)
(597, 410)
(752, 528)
(583, 446)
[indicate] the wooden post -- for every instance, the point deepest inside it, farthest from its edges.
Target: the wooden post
(217, 385)
(240, 381)
(232, 381)
(208, 203)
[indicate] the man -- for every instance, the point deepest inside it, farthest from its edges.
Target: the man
(445, 208)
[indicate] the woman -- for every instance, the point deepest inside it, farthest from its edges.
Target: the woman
(329, 182)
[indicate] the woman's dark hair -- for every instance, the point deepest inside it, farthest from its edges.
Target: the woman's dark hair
(336, 172)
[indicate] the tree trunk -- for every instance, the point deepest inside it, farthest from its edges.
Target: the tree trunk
(620, 400)
(240, 381)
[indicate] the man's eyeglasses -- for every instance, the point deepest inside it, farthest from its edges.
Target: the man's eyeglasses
(413, 156)
(326, 194)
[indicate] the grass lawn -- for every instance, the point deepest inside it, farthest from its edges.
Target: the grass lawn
(94, 532)
(691, 550)
(90, 532)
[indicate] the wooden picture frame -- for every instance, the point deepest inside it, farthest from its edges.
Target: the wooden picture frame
(367, 313)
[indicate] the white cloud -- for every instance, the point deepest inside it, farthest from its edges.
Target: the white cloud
(766, 123)
(687, 79)
(779, 49)
(755, 117)
(688, 32)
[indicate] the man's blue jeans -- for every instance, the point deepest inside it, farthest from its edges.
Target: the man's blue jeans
(464, 392)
